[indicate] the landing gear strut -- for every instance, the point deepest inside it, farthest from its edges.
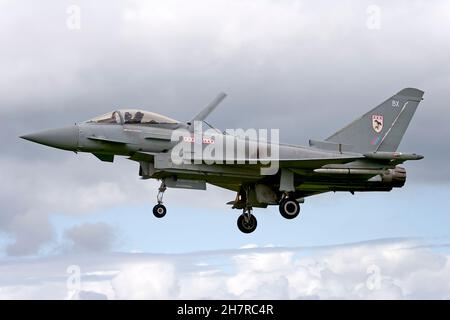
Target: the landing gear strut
(247, 222)
(289, 207)
(160, 210)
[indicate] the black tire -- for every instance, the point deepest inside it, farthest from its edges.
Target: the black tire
(289, 208)
(159, 211)
(247, 225)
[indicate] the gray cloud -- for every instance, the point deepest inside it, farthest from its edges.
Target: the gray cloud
(306, 67)
(30, 231)
(95, 237)
(317, 69)
(72, 185)
(27, 202)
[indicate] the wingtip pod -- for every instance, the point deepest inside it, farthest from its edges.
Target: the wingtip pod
(412, 93)
(393, 156)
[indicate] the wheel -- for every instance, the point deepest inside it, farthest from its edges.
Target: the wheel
(159, 211)
(247, 223)
(289, 208)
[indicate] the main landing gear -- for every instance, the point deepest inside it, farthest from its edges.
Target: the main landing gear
(160, 210)
(247, 222)
(289, 207)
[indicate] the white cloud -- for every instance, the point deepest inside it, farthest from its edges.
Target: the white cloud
(372, 270)
(146, 280)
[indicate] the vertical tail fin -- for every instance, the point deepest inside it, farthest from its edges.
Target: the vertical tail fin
(382, 128)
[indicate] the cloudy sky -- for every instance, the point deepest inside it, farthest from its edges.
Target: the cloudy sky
(306, 67)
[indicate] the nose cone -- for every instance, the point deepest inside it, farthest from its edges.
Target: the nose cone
(62, 138)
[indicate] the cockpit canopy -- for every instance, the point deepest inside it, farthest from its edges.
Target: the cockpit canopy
(131, 116)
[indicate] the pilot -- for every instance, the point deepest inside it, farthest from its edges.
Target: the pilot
(138, 117)
(127, 117)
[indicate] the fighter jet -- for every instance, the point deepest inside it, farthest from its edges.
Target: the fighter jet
(360, 157)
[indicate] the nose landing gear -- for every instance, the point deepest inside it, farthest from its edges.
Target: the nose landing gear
(160, 210)
(247, 222)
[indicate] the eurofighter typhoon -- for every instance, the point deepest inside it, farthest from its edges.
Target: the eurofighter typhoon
(358, 158)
